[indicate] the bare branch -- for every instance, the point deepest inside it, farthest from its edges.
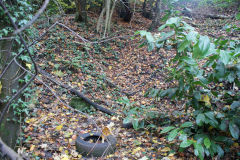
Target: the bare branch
(83, 39)
(40, 11)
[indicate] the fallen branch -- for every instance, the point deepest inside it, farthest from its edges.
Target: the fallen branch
(217, 16)
(79, 94)
(189, 13)
(8, 152)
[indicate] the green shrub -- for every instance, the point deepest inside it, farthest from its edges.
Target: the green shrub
(208, 76)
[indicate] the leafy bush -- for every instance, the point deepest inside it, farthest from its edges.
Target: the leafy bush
(68, 6)
(138, 116)
(208, 76)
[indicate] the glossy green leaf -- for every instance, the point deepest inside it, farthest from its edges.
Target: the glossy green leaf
(224, 124)
(207, 142)
(199, 150)
(186, 124)
(235, 105)
(189, 60)
(172, 135)
(135, 124)
(184, 45)
(200, 119)
(173, 20)
(201, 49)
(225, 57)
(167, 129)
(192, 36)
(220, 151)
(234, 130)
(162, 27)
(186, 144)
(183, 137)
(165, 36)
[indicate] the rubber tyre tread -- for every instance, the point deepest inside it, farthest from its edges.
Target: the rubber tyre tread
(88, 149)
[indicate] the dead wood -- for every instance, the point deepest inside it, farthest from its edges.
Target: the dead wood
(212, 16)
(79, 94)
(8, 152)
(189, 13)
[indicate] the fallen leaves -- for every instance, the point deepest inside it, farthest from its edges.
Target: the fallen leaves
(136, 150)
(165, 149)
(54, 128)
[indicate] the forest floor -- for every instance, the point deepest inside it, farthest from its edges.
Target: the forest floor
(105, 70)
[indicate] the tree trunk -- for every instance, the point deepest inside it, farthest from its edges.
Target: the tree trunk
(108, 11)
(9, 129)
(108, 5)
(125, 11)
(156, 20)
(147, 13)
(81, 14)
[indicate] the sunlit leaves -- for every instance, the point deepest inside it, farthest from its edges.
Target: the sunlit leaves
(205, 98)
(192, 36)
(59, 128)
(29, 65)
(165, 36)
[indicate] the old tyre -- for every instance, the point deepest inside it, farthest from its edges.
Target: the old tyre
(95, 149)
